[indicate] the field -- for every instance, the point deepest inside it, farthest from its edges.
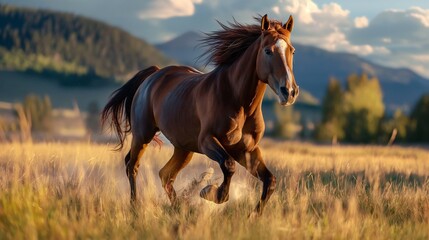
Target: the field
(80, 191)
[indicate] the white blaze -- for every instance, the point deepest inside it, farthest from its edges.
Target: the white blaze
(282, 46)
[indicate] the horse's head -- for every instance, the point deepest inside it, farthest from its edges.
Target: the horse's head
(274, 64)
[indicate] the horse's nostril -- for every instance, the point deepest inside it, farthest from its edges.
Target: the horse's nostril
(284, 91)
(292, 92)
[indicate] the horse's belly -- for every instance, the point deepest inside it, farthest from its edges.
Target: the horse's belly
(187, 144)
(181, 136)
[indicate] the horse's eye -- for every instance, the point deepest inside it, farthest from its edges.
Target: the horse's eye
(268, 51)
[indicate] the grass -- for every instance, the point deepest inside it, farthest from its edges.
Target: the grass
(79, 191)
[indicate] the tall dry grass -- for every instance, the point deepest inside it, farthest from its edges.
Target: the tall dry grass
(79, 190)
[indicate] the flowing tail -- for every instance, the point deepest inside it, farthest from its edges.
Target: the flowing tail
(118, 109)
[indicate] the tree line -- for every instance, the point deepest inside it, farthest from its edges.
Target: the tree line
(356, 114)
(353, 114)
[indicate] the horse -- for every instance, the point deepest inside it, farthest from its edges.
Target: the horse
(216, 113)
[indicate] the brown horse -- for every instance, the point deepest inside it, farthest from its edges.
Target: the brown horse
(217, 114)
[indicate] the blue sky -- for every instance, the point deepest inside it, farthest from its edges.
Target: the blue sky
(370, 8)
(390, 32)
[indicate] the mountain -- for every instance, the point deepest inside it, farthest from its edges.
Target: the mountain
(56, 43)
(184, 48)
(313, 67)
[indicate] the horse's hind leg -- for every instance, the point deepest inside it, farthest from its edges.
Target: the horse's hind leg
(169, 172)
(132, 161)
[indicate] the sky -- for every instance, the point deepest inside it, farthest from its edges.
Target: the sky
(389, 32)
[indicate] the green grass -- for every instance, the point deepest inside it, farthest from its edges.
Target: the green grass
(79, 190)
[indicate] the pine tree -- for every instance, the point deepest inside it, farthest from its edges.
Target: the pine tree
(332, 113)
(419, 119)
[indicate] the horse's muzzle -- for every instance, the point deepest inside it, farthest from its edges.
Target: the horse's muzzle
(284, 92)
(289, 95)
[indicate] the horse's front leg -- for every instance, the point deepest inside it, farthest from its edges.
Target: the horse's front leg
(254, 163)
(211, 147)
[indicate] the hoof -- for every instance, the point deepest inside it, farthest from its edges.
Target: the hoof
(257, 212)
(253, 216)
(210, 193)
(134, 209)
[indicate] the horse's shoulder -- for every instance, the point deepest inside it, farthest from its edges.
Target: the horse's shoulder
(254, 127)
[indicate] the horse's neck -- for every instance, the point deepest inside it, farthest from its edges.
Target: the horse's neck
(248, 91)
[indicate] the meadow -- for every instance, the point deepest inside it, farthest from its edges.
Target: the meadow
(80, 191)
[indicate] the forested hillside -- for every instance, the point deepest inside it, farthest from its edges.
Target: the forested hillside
(61, 43)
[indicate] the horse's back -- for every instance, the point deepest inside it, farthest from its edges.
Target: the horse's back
(172, 84)
(162, 83)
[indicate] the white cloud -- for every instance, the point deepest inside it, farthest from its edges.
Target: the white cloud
(421, 14)
(405, 28)
(386, 40)
(361, 22)
(323, 26)
(335, 9)
(276, 10)
(164, 9)
(381, 50)
(307, 11)
(393, 37)
(422, 57)
(303, 9)
(401, 37)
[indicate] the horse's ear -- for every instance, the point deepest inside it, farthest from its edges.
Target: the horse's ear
(265, 23)
(289, 24)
